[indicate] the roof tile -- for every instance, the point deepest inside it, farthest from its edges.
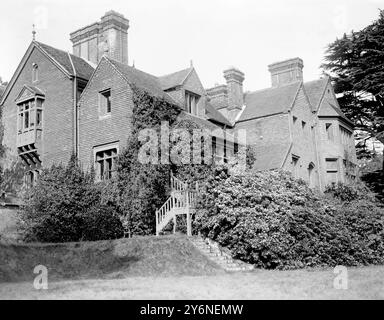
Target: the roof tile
(213, 114)
(83, 69)
(315, 90)
(174, 79)
(269, 101)
(271, 156)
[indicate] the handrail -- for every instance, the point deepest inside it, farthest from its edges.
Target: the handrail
(182, 197)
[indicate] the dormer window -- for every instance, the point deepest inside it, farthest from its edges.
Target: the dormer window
(35, 72)
(191, 101)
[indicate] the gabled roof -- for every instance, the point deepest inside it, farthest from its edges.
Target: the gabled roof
(29, 91)
(82, 68)
(271, 156)
(174, 79)
(214, 115)
(338, 113)
(315, 91)
(269, 101)
(142, 80)
(60, 58)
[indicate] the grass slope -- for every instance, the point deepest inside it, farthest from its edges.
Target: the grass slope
(142, 256)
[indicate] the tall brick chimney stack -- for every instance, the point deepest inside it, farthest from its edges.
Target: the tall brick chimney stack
(285, 72)
(108, 36)
(234, 79)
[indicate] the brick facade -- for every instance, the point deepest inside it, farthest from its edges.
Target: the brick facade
(97, 129)
(56, 142)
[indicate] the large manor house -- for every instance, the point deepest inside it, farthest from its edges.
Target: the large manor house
(58, 103)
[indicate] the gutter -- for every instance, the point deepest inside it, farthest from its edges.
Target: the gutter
(75, 113)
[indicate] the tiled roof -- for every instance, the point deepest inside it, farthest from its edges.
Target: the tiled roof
(315, 90)
(213, 114)
(83, 69)
(200, 121)
(174, 79)
(270, 156)
(153, 85)
(269, 101)
(142, 80)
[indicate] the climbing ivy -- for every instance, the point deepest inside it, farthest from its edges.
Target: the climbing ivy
(143, 188)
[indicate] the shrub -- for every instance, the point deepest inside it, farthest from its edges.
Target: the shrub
(57, 208)
(350, 192)
(100, 222)
(274, 221)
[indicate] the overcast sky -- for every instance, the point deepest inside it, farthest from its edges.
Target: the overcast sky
(164, 35)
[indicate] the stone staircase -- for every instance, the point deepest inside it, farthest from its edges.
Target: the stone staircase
(219, 255)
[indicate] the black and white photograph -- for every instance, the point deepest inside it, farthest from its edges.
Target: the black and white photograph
(220, 151)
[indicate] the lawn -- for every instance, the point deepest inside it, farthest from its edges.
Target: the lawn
(363, 283)
(167, 267)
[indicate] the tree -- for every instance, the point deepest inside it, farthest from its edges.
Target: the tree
(356, 65)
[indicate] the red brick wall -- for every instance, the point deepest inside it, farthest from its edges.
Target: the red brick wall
(57, 134)
(95, 130)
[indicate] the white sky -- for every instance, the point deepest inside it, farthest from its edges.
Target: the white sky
(164, 35)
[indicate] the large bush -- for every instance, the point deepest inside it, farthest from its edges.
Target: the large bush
(274, 221)
(66, 205)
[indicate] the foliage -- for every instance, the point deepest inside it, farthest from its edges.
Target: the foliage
(62, 207)
(375, 182)
(357, 65)
(143, 187)
(100, 222)
(274, 221)
(11, 178)
(350, 192)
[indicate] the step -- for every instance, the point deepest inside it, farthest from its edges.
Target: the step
(222, 259)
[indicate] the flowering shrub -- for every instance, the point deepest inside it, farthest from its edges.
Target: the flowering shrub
(274, 221)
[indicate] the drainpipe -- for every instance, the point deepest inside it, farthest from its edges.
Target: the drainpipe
(75, 116)
(316, 128)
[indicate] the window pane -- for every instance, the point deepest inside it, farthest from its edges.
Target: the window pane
(26, 120)
(101, 169)
(109, 167)
(21, 121)
(32, 118)
(39, 119)
(105, 101)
